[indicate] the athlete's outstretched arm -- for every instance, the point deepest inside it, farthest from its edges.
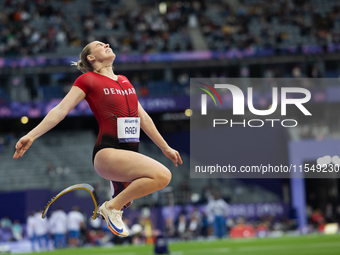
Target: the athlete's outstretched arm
(57, 114)
(150, 129)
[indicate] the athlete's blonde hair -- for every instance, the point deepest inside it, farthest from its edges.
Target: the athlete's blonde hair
(83, 64)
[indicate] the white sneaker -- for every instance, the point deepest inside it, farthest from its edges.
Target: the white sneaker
(114, 220)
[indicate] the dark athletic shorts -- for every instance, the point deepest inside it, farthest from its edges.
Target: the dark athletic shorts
(111, 142)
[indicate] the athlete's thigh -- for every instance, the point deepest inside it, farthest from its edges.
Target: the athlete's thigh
(125, 165)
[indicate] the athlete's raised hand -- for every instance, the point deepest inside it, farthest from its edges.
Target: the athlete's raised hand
(22, 146)
(173, 155)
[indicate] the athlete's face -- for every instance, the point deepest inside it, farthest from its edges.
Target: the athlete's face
(101, 51)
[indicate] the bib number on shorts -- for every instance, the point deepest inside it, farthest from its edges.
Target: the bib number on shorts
(128, 129)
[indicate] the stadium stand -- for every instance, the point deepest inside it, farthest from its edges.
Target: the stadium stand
(61, 159)
(221, 24)
(31, 172)
(217, 26)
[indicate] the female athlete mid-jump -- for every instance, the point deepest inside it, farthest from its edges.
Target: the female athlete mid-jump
(114, 102)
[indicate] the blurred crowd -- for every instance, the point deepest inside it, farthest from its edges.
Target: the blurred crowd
(73, 229)
(34, 27)
(272, 24)
(318, 218)
(64, 229)
(143, 29)
(315, 131)
(215, 222)
(20, 35)
(45, 26)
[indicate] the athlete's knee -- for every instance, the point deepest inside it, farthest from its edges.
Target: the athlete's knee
(163, 178)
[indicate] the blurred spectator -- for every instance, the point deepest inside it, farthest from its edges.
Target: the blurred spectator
(95, 224)
(217, 210)
(98, 237)
(309, 212)
(183, 78)
(296, 71)
(317, 218)
(5, 222)
(136, 234)
(95, 233)
(41, 231)
(17, 230)
(51, 172)
(182, 227)
(169, 227)
(58, 226)
(194, 226)
(147, 225)
(263, 229)
(63, 171)
(75, 222)
(316, 72)
(195, 223)
(30, 222)
(205, 225)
